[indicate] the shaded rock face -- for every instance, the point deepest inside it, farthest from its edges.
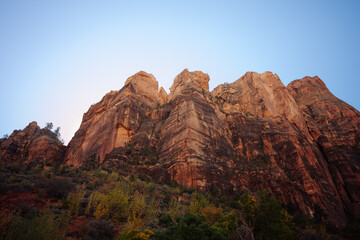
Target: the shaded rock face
(335, 126)
(269, 129)
(32, 144)
(299, 142)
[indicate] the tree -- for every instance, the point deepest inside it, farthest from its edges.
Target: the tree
(266, 216)
(49, 125)
(5, 136)
(191, 227)
(57, 132)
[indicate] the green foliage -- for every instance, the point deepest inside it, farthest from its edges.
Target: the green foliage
(166, 221)
(188, 228)
(100, 229)
(175, 208)
(114, 176)
(134, 205)
(73, 202)
(49, 125)
(58, 135)
(42, 226)
(197, 202)
(227, 223)
(249, 206)
(136, 234)
(266, 215)
(113, 205)
(59, 188)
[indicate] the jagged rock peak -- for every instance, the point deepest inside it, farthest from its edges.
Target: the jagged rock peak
(261, 94)
(189, 80)
(307, 84)
(141, 76)
(267, 79)
(32, 144)
(262, 75)
(31, 129)
(33, 124)
(163, 96)
(144, 84)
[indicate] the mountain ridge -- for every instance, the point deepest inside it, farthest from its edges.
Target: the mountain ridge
(298, 141)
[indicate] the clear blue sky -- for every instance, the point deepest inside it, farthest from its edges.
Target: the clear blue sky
(59, 57)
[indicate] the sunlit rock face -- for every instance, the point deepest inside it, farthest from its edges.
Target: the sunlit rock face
(194, 146)
(115, 119)
(298, 142)
(32, 144)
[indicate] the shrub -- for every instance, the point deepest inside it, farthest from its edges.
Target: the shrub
(58, 188)
(100, 229)
(113, 205)
(191, 227)
(136, 234)
(175, 208)
(227, 224)
(73, 202)
(266, 215)
(212, 214)
(25, 210)
(42, 226)
(197, 203)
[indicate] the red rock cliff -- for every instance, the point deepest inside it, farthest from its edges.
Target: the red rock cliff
(299, 142)
(32, 144)
(115, 119)
(335, 126)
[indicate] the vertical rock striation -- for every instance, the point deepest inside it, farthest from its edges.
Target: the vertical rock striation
(335, 126)
(115, 119)
(299, 142)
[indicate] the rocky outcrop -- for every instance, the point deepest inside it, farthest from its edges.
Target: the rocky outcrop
(32, 144)
(194, 146)
(113, 121)
(262, 95)
(335, 126)
(299, 142)
(268, 128)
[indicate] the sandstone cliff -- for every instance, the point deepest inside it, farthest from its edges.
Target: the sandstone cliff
(115, 119)
(335, 126)
(299, 142)
(32, 144)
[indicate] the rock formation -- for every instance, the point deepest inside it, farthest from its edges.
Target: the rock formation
(115, 119)
(299, 142)
(335, 126)
(32, 144)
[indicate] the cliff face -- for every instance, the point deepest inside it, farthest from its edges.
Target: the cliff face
(115, 119)
(299, 142)
(194, 147)
(32, 144)
(335, 126)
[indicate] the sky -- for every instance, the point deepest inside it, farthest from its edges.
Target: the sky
(57, 58)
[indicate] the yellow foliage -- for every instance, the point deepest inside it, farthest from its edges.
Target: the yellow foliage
(136, 234)
(175, 209)
(74, 200)
(212, 214)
